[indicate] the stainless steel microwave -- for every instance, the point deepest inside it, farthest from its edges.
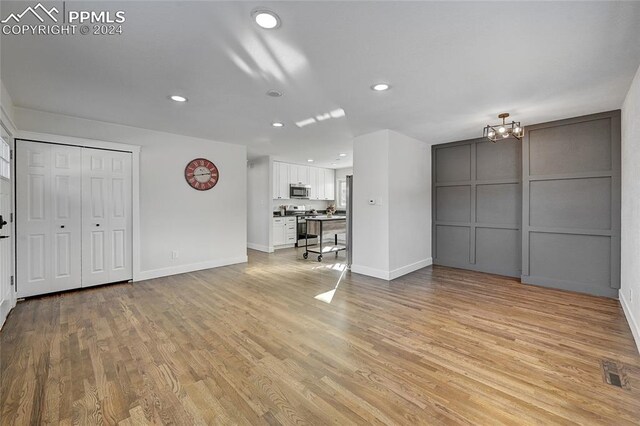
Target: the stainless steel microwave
(297, 190)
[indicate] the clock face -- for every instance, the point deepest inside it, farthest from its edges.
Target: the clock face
(201, 174)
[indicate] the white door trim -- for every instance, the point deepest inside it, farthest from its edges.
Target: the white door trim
(135, 178)
(7, 124)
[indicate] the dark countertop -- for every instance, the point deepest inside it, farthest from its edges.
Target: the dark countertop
(295, 213)
(326, 219)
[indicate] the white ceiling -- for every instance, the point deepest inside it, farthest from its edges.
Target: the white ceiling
(453, 67)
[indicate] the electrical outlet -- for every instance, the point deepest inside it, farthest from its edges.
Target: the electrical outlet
(174, 254)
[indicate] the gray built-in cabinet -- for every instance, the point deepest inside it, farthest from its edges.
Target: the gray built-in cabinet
(571, 204)
(546, 209)
(476, 206)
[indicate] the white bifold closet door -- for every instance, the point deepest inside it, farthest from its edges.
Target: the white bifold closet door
(106, 217)
(73, 217)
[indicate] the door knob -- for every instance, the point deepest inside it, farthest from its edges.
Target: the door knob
(2, 237)
(97, 224)
(2, 222)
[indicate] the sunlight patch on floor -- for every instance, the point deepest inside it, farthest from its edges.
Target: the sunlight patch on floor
(335, 266)
(327, 296)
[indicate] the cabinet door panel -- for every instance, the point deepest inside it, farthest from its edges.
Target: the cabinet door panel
(276, 180)
(321, 186)
(283, 181)
(329, 184)
(278, 233)
(313, 181)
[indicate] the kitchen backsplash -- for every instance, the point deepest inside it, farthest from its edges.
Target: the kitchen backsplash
(309, 204)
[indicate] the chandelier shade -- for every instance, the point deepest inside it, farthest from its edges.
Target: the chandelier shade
(504, 130)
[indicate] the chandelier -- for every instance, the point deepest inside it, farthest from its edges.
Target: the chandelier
(503, 131)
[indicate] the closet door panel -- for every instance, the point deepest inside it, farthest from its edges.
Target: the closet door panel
(66, 229)
(48, 218)
(120, 217)
(106, 217)
(95, 224)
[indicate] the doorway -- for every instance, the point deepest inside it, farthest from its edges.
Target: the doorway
(6, 225)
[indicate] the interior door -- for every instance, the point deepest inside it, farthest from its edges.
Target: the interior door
(49, 233)
(6, 258)
(106, 217)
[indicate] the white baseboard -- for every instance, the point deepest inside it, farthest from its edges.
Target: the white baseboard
(284, 246)
(391, 275)
(260, 247)
(633, 322)
(181, 269)
(404, 270)
(371, 272)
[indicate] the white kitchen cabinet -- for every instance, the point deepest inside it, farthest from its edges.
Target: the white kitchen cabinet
(284, 231)
(313, 181)
(322, 184)
(329, 184)
(278, 231)
(280, 180)
(321, 191)
(322, 181)
(298, 174)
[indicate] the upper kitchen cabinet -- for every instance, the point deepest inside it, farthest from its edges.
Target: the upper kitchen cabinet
(280, 180)
(298, 174)
(322, 181)
(329, 184)
(313, 181)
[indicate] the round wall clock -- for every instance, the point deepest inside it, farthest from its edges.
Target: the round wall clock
(201, 174)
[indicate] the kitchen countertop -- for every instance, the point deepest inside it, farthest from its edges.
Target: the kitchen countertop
(325, 218)
(307, 213)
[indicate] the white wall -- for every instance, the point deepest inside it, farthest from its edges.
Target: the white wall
(630, 244)
(410, 204)
(207, 228)
(6, 103)
(259, 193)
(371, 222)
(393, 236)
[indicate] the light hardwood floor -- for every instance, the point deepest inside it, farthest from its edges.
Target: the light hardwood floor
(250, 344)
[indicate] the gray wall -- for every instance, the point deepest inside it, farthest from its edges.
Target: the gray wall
(571, 204)
(476, 206)
(562, 183)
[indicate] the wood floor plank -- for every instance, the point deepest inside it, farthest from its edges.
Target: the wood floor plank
(250, 344)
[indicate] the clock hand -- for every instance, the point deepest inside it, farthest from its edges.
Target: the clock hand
(204, 174)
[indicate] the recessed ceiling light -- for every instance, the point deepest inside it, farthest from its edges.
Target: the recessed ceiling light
(343, 155)
(266, 19)
(310, 160)
(277, 124)
(178, 98)
(333, 164)
(380, 87)
(274, 93)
